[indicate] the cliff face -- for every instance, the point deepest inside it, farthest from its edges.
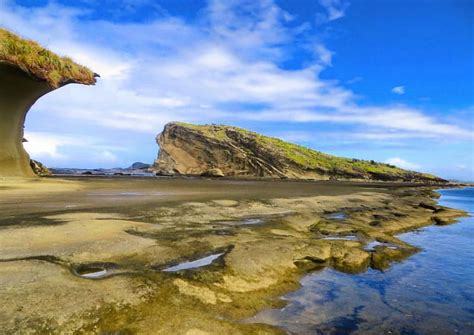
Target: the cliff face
(18, 92)
(187, 149)
(27, 72)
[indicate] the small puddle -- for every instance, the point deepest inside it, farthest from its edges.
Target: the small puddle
(344, 238)
(224, 232)
(372, 245)
(251, 221)
(94, 271)
(194, 264)
(247, 221)
(336, 216)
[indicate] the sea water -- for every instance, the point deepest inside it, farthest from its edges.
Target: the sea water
(431, 292)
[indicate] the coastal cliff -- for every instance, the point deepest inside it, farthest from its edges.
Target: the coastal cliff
(27, 72)
(218, 150)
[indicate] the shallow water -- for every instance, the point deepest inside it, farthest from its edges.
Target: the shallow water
(371, 246)
(252, 221)
(99, 273)
(341, 238)
(336, 216)
(194, 264)
(432, 292)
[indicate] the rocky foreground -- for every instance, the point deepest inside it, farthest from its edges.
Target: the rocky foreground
(217, 151)
(114, 255)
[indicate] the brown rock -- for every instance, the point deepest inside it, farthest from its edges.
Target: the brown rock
(218, 150)
(39, 169)
(215, 172)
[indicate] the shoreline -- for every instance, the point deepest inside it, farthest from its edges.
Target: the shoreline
(261, 261)
(374, 302)
(258, 179)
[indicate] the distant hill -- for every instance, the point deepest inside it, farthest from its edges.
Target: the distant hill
(219, 150)
(136, 169)
(139, 166)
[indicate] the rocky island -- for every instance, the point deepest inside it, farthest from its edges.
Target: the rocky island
(27, 72)
(218, 150)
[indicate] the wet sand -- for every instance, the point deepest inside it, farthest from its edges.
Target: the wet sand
(94, 254)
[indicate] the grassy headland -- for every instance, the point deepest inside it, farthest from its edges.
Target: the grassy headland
(309, 159)
(41, 63)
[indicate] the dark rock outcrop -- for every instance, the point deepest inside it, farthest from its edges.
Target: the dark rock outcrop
(215, 172)
(187, 149)
(39, 169)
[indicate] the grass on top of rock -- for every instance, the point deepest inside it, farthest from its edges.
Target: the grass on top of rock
(305, 157)
(41, 63)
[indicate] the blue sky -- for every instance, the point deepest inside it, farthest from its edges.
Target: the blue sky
(385, 80)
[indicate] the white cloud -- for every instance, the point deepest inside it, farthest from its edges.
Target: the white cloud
(44, 145)
(397, 161)
(208, 70)
(398, 90)
(324, 54)
(106, 157)
(335, 8)
(354, 80)
(356, 136)
(393, 121)
(57, 148)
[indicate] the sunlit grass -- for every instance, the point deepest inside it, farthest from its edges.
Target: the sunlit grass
(40, 62)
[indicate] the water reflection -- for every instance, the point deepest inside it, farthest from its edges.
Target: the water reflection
(432, 292)
(194, 264)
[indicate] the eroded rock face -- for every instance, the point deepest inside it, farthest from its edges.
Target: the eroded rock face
(27, 72)
(18, 92)
(39, 168)
(187, 149)
(216, 172)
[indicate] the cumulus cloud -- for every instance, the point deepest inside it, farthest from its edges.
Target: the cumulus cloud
(54, 149)
(399, 90)
(44, 145)
(397, 161)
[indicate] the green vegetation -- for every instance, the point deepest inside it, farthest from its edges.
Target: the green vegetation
(308, 158)
(41, 63)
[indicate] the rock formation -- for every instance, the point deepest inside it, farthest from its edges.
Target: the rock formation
(39, 169)
(217, 150)
(27, 72)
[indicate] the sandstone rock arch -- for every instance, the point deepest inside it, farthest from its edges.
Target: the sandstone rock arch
(27, 72)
